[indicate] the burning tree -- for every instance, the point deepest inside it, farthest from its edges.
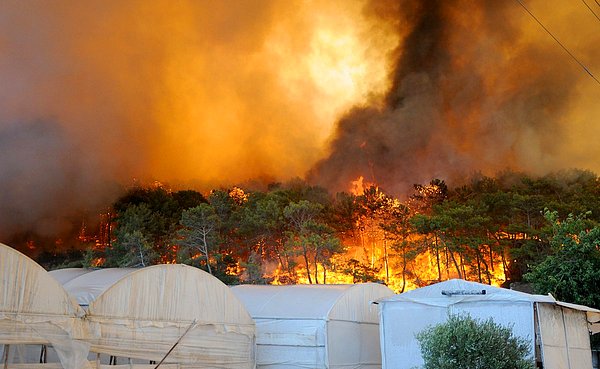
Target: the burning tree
(263, 227)
(310, 238)
(296, 233)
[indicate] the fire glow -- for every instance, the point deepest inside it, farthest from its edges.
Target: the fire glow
(372, 247)
(207, 94)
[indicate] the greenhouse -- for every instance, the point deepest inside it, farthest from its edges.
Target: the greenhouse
(176, 315)
(40, 325)
(88, 284)
(315, 326)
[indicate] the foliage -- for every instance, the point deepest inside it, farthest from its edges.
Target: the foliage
(571, 272)
(133, 246)
(199, 234)
(464, 231)
(223, 269)
(360, 272)
(309, 237)
(59, 259)
(466, 343)
(137, 250)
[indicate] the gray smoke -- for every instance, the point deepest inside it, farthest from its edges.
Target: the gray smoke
(469, 93)
(47, 185)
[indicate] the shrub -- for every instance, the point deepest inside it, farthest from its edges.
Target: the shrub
(466, 343)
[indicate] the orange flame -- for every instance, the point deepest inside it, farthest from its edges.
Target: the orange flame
(372, 255)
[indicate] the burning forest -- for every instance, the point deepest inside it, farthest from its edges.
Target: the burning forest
(491, 230)
(433, 139)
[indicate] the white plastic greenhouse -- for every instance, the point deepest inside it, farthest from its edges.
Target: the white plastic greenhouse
(558, 332)
(67, 274)
(89, 283)
(315, 326)
(37, 317)
(137, 316)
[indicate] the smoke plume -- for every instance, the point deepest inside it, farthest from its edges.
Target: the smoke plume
(95, 95)
(199, 94)
(476, 87)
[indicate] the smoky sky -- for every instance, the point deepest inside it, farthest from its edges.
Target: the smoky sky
(97, 95)
(475, 88)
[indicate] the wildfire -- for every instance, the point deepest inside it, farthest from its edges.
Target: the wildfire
(359, 185)
(420, 272)
(405, 263)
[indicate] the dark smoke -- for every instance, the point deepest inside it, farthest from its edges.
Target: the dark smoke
(47, 185)
(466, 96)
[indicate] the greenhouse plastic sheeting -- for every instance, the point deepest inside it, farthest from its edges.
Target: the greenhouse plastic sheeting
(315, 326)
(401, 321)
(147, 311)
(65, 275)
(86, 287)
(36, 310)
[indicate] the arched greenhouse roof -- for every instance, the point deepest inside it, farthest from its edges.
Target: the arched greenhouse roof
(29, 293)
(35, 309)
(329, 302)
(147, 310)
(86, 287)
(65, 275)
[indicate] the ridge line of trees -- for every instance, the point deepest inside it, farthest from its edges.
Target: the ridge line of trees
(485, 229)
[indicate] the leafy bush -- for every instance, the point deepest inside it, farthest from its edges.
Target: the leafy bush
(466, 343)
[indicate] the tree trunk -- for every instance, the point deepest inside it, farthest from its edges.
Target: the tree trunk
(205, 249)
(316, 267)
(487, 269)
(478, 257)
(403, 269)
(385, 259)
(455, 264)
(491, 252)
(504, 265)
(446, 251)
(437, 258)
(304, 254)
(462, 265)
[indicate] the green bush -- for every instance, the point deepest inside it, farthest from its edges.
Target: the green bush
(466, 343)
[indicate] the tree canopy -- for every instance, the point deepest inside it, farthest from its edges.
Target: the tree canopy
(571, 272)
(488, 229)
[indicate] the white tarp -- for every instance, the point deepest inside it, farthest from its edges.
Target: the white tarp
(35, 310)
(315, 326)
(86, 287)
(144, 314)
(67, 274)
(404, 315)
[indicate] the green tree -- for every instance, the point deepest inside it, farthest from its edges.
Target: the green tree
(461, 229)
(381, 223)
(466, 343)
(572, 272)
(360, 272)
(227, 205)
(133, 245)
(263, 227)
(164, 209)
(139, 250)
(309, 237)
(199, 232)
